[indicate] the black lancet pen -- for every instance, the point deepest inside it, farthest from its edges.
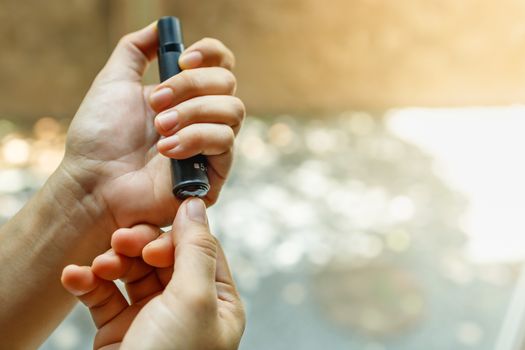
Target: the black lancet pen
(189, 176)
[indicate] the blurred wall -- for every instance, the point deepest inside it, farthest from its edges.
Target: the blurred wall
(50, 51)
(299, 56)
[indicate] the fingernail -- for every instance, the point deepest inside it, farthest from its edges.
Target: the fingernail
(161, 98)
(167, 120)
(191, 59)
(75, 292)
(168, 143)
(196, 210)
(150, 244)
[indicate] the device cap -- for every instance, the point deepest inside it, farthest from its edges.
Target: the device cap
(169, 30)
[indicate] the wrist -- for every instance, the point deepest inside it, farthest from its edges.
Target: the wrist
(75, 194)
(62, 224)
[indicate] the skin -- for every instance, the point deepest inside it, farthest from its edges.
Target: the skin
(115, 174)
(191, 305)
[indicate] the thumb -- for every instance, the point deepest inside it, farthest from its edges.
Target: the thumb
(195, 253)
(131, 55)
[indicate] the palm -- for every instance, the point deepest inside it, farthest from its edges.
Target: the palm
(117, 141)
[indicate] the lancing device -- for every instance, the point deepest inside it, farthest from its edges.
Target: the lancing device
(189, 176)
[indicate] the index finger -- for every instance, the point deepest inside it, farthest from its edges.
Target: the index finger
(207, 52)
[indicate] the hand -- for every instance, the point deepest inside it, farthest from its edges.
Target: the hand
(113, 145)
(192, 305)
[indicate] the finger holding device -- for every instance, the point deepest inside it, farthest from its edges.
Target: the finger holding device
(189, 176)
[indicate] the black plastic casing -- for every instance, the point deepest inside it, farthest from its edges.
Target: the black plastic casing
(189, 176)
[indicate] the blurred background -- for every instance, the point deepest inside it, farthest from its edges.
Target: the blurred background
(377, 198)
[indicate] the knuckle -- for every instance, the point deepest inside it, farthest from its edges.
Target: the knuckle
(126, 43)
(125, 40)
(215, 43)
(200, 109)
(189, 80)
(223, 53)
(194, 139)
(206, 244)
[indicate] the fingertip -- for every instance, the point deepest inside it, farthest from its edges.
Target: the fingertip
(67, 273)
(166, 122)
(171, 147)
(209, 139)
(123, 243)
(161, 98)
(189, 208)
(78, 280)
(159, 127)
(69, 268)
(118, 236)
(100, 265)
(105, 258)
(168, 143)
(110, 266)
(159, 253)
(191, 59)
(130, 241)
(196, 210)
(214, 53)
